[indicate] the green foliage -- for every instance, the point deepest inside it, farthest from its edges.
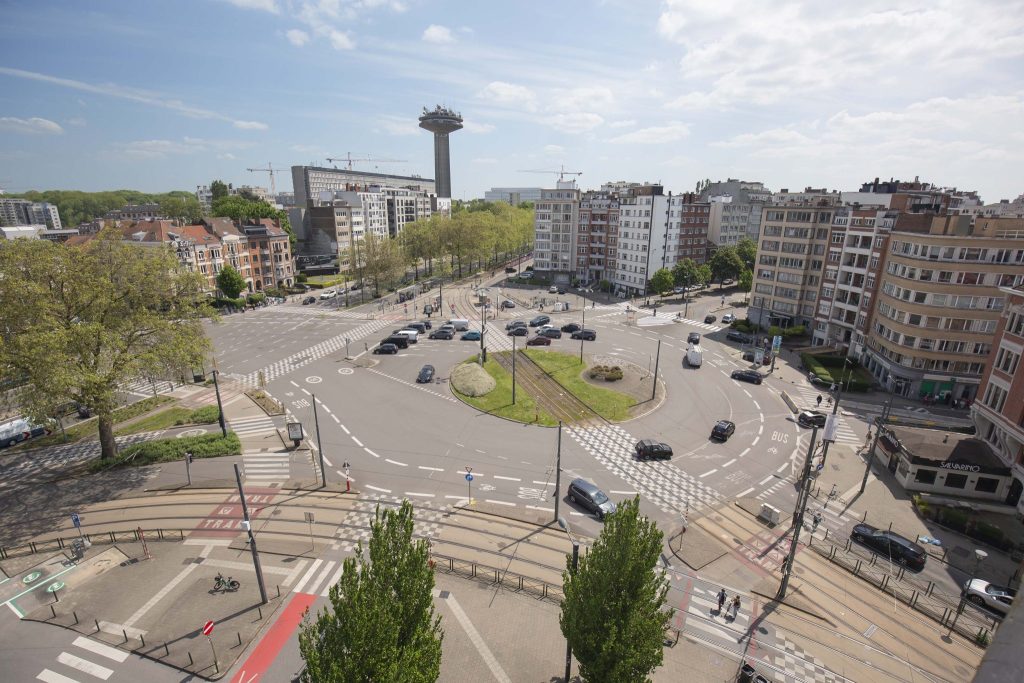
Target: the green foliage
(725, 263)
(380, 624)
(989, 533)
(684, 273)
(185, 209)
(954, 519)
(609, 373)
(704, 274)
(77, 207)
(612, 615)
(204, 416)
(169, 450)
(81, 321)
(218, 190)
(746, 280)
(230, 281)
(240, 209)
(258, 297)
(662, 280)
(746, 248)
(301, 278)
(498, 401)
(604, 286)
(982, 638)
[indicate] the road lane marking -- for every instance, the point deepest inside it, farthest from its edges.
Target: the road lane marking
(760, 430)
(375, 488)
(336, 420)
(757, 405)
(168, 587)
(744, 493)
(358, 442)
(542, 483)
(294, 573)
(726, 464)
(498, 476)
(747, 393)
(766, 479)
(308, 575)
(345, 429)
(538, 507)
(419, 495)
(100, 649)
(431, 469)
(370, 452)
(499, 502)
(754, 442)
(47, 676)
(783, 467)
(709, 472)
(744, 452)
(623, 493)
(395, 462)
(475, 638)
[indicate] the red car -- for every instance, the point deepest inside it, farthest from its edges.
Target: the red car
(539, 340)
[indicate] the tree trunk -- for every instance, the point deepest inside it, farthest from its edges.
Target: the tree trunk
(108, 447)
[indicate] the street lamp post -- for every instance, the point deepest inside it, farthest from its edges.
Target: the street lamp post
(799, 516)
(572, 572)
(220, 407)
(835, 406)
(513, 370)
(583, 326)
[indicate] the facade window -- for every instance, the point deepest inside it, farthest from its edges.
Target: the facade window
(923, 476)
(956, 481)
(986, 485)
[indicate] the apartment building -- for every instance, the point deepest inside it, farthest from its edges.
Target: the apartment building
(736, 209)
(135, 212)
(694, 220)
(24, 212)
(790, 259)
(556, 221)
(404, 206)
(269, 254)
(998, 411)
(309, 181)
(512, 195)
(597, 238)
(939, 303)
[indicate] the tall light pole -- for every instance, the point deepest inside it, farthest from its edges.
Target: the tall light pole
(513, 369)
(878, 432)
(220, 406)
(799, 521)
(558, 473)
(979, 557)
(835, 407)
(247, 525)
(583, 326)
(657, 361)
(319, 444)
(572, 572)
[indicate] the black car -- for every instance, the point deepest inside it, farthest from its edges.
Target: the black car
(309, 300)
(443, 333)
(399, 340)
(420, 328)
(811, 418)
(587, 335)
(539, 340)
(649, 448)
(510, 269)
(519, 331)
(752, 376)
(572, 327)
(765, 360)
(591, 498)
(515, 323)
(551, 333)
(427, 324)
(693, 338)
(508, 303)
(386, 349)
(426, 375)
(722, 430)
(540, 320)
(897, 548)
(708, 319)
(736, 335)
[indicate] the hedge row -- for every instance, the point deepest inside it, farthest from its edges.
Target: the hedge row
(169, 450)
(823, 367)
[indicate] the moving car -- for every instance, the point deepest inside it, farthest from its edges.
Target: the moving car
(472, 335)
(309, 300)
(551, 333)
(386, 349)
(728, 318)
(694, 356)
(722, 430)
(515, 323)
(540, 320)
(736, 335)
(985, 594)
(752, 376)
(589, 497)
(586, 335)
(539, 340)
(460, 324)
(552, 289)
(508, 303)
(426, 375)
(708, 319)
(442, 333)
(889, 543)
(693, 338)
(510, 269)
(572, 327)
(328, 294)
(519, 331)
(811, 418)
(649, 448)
(419, 327)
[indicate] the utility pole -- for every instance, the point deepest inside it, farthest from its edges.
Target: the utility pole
(583, 326)
(319, 445)
(799, 521)
(835, 409)
(654, 385)
(220, 407)
(483, 331)
(513, 370)
(252, 539)
(558, 470)
(879, 423)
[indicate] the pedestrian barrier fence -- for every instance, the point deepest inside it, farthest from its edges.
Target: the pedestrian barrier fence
(101, 538)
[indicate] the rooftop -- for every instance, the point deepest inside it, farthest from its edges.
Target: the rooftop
(941, 446)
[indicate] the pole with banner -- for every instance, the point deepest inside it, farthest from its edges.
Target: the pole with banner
(469, 484)
(776, 349)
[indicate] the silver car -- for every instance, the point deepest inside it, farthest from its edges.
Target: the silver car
(985, 594)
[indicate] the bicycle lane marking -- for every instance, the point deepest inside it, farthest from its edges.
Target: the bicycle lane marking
(225, 521)
(270, 645)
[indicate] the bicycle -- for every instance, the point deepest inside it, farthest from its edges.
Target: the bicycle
(222, 584)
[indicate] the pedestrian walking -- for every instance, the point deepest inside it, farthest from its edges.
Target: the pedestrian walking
(735, 607)
(815, 521)
(819, 400)
(721, 600)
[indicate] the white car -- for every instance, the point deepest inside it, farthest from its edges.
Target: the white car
(328, 294)
(985, 594)
(728, 318)
(553, 289)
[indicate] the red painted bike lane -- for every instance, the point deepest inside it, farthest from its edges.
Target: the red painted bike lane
(225, 520)
(275, 638)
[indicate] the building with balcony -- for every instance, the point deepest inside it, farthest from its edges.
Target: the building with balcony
(736, 207)
(24, 212)
(597, 238)
(512, 195)
(938, 304)
(555, 223)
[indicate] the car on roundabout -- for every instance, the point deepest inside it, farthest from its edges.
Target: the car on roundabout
(386, 349)
(309, 300)
(508, 303)
(515, 323)
(585, 335)
(693, 338)
(708, 319)
(752, 376)
(472, 335)
(750, 357)
(539, 340)
(722, 430)
(588, 496)
(890, 544)
(520, 331)
(994, 597)
(741, 337)
(426, 375)
(728, 319)
(649, 448)
(328, 294)
(812, 418)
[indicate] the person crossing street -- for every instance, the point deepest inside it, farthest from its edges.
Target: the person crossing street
(721, 600)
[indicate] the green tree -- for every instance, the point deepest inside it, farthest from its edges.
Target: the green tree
(704, 274)
(746, 281)
(725, 263)
(662, 280)
(747, 250)
(380, 624)
(79, 322)
(612, 613)
(241, 209)
(218, 189)
(185, 209)
(230, 281)
(684, 273)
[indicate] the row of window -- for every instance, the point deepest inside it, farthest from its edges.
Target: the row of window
(977, 325)
(1015, 324)
(940, 365)
(955, 480)
(953, 277)
(1007, 360)
(935, 252)
(987, 303)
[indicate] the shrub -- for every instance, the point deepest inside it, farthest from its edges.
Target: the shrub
(256, 298)
(609, 373)
(991, 534)
(203, 416)
(795, 331)
(168, 450)
(954, 519)
(301, 278)
(922, 505)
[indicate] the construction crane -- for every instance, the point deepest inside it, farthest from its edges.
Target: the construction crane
(348, 159)
(561, 173)
(269, 169)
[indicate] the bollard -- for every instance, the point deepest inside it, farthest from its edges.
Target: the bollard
(864, 517)
(890, 526)
(75, 614)
(239, 637)
(913, 599)
(125, 632)
(97, 622)
(190, 662)
(142, 639)
(167, 653)
(53, 611)
(278, 590)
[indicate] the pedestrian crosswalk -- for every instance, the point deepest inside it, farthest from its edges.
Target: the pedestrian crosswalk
(654, 321)
(82, 659)
(806, 398)
(253, 426)
(266, 469)
(702, 325)
(147, 387)
(702, 617)
(321, 575)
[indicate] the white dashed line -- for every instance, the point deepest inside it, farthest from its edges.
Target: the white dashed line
(358, 442)
(370, 452)
(744, 452)
(431, 469)
(306, 391)
(542, 483)
(783, 467)
(747, 393)
(294, 384)
(336, 420)
(345, 429)
(498, 476)
(395, 462)
(418, 495)
(326, 409)
(623, 493)
(378, 489)
(744, 493)
(500, 502)
(709, 472)
(766, 479)
(754, 442)
(537, 507)
(760, 430)
(757, 405)
(726, 464)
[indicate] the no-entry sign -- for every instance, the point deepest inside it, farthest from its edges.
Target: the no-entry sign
(207, 628)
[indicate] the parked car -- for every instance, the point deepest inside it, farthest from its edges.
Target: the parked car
(510, 269)
(539, 340)
(811, 418)
(551, 333)
(426, 375)
(679, 290)
(519, 331)
(889, 543)
(442, 333)
(752, 376)
(386, 349)
(571, 327)
(649, 448)
(515, 323)
(508, 303)
(728, 318)
(328, 294)
(309, 300)
(552, 289)
(472, 335)
(736, 335)
(591, 498)
(751, 355)
(561, 290)
(985, 594)
(540, 320)
(693, 338)
(817, 381)
(427, 324)
(419, 327)
(399, 340)
(586, 335)
(526, 275)
(708, 319)
(723, 429)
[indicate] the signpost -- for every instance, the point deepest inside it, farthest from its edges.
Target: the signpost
(207, 628)
(309, 520)
(295, 432)
(469, 483)
(208, 631)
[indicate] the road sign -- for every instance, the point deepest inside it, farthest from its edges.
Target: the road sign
(309, 517)
(821, 466)
(469, 477)
(777, 344)
(76, 520)
(207, 628)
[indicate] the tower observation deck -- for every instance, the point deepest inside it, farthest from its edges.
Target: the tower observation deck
(441, 121)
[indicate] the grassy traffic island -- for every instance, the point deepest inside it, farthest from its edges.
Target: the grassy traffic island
(489, 389)
(170, 450)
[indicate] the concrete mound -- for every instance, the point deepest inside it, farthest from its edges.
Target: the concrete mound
(470, 379)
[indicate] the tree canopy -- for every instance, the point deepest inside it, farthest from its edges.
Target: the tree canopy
(239, 208)
(684, 273)
(78, 322)
(380, 624)
(230, 281)
(662, 280)
(747, 250)
(218, 190)
(77, 207)
(725, 263)
(612, 614)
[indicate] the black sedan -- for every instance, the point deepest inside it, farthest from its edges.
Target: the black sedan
(519, 331)
(811, 418)
(571, 327)
(515, 323)
(649, 448)
(426, 375)
(442, 333)
(540, 320)
(765, 360)
(708, 319)
(587, 335)
(736, 335)
(539, 340)
(386, 349)
(309, 300)
(722, 430)
(551, 333)
(693, 338)
(752, 376)
(897, 548)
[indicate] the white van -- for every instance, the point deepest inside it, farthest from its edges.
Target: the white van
(412, 335)
(460, 324)
(694, 356)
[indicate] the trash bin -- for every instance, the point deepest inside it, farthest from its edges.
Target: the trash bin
(746, 673)
(760, 679)
(198, 377)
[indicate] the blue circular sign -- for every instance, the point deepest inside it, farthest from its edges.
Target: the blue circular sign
(469, 477)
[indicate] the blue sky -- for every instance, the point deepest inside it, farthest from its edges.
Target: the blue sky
(161, 95)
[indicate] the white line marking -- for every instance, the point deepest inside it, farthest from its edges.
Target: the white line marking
(783, 467)
(760, 430)
(294, 572)
(745, 451)
(68, 659)
(47, 676)
(757, 405)
(499, 502)
(709, 472)
(754, 442)
(358, 442)
(378, 489)
(623, 493)
(744, 493)
(543, 483)
(294, 384)
(336, 420)
(305, 579)
(747, 393)
(326, 409)
(306, 391)
(418, 495)
(323, 575)
(395, 462)
(168, 587)
(766, 479)
(726, 464)
(474, 637)
(370, 452)
(498, 476)
(542, 509)
(345, 429)
(100, 649)
(431, 469)
(333, 580)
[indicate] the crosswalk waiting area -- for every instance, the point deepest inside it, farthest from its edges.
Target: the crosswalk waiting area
(85, 660)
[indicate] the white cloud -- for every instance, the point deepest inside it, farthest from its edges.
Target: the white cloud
(77, 121)
(32, 125)
(475, 127)
(628, 123)
(582, 99)
(578, 122)
(133, 95)
(485, 161)
(264, 5)
(655, 134)
(399, 125)
(162, 148)
(509, 95)
(341, 40)
(297, 37)
(554, 150)
(332, 20)
(439, 35)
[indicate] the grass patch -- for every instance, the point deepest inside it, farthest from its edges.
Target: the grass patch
(499, 400)
(90, 427)
(162, 420)
(169, 450)
(565, 369)
(206, 415)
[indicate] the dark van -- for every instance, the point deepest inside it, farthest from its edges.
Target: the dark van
(399, 340)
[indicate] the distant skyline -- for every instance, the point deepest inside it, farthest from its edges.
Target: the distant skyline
(158, 96)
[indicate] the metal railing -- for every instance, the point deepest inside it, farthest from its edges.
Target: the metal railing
(100, 538)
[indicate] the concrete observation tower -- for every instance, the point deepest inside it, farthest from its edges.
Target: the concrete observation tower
(441, 122)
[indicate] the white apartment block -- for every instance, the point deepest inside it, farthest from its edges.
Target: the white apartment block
(24, 212)
(512, 195)
(373, 207)
(556, 222)
(405, 206)
(741, 204)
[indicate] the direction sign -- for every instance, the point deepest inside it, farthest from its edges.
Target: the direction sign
(76, 520)
(821, 466)
(469, 477)
(207, 628)
(777, 344)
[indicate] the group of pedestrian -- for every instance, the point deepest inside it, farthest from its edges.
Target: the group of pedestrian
(733, 604)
